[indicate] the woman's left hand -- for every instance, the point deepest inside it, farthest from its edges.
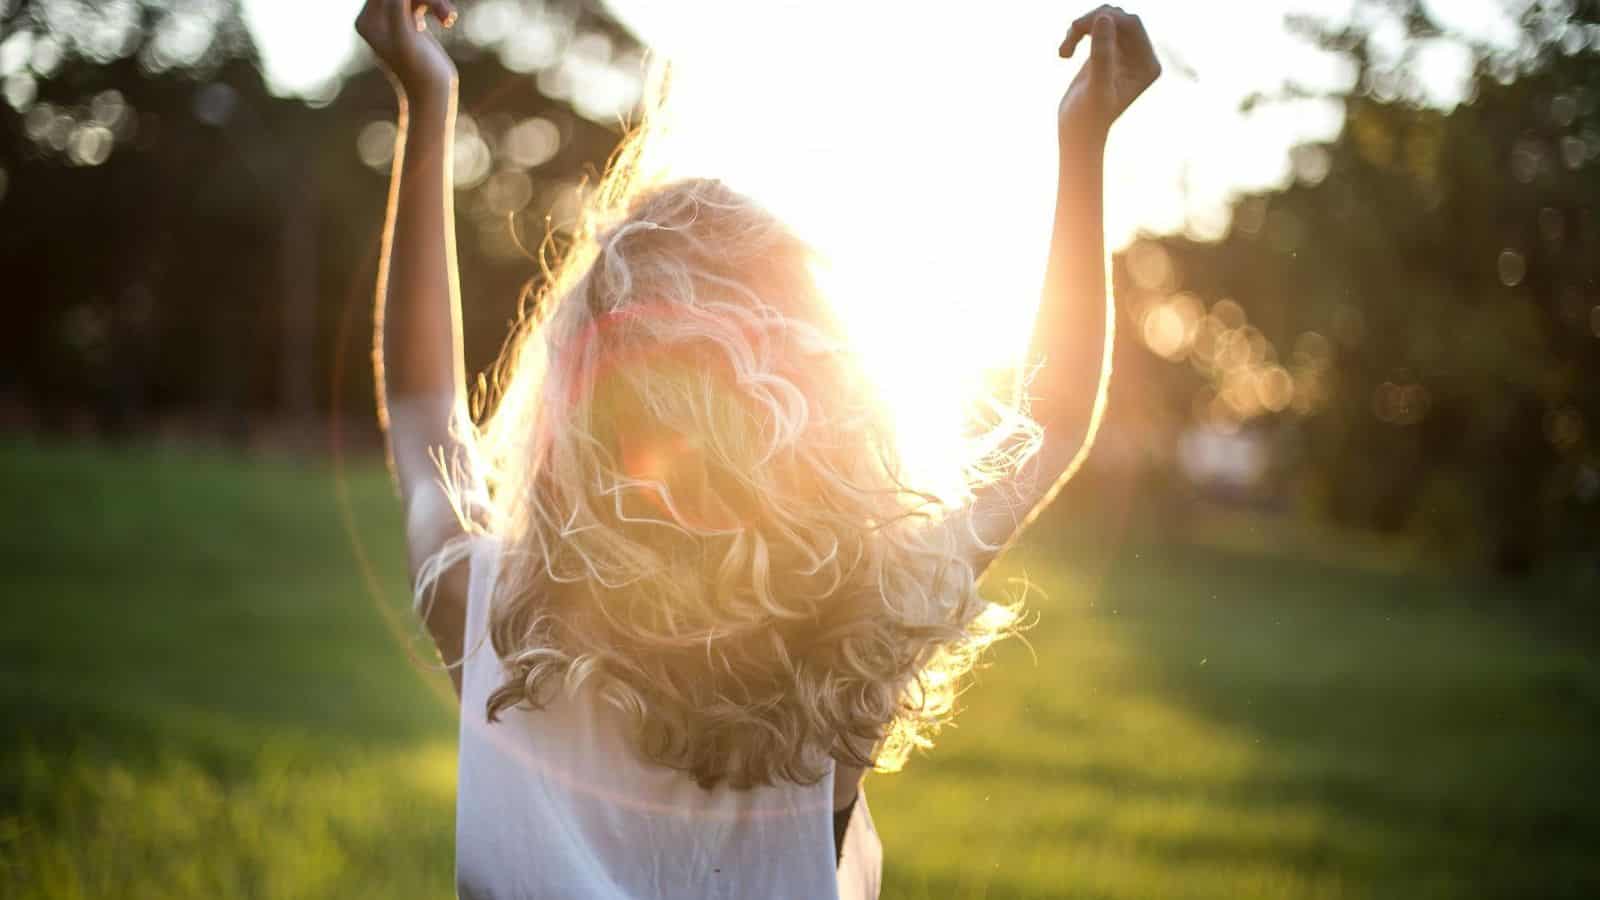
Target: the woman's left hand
(396, 31)
(1121, 65)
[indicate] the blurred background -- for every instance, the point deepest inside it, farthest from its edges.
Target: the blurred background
(1318, 620)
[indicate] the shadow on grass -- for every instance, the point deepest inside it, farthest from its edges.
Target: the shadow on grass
(1440, 739)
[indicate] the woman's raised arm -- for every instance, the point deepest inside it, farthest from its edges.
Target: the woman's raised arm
(1074, 328)
(417, 357)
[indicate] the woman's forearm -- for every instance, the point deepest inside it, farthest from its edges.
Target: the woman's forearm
(417, 345)
(1072, 324)
(1075, 329)
(1072, 337)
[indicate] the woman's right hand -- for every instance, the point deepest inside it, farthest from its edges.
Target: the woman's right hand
(1122, 64)
(397, 32)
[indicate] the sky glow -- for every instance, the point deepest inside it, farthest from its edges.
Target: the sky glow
(916, 146)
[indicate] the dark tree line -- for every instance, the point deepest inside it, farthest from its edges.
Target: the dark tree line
(177, 242)
(1427, 295)
(1412, 326)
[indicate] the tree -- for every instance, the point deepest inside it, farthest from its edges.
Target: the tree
(178, 241)
(1416, 320)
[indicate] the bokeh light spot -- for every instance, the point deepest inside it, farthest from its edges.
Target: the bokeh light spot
(215, 103)
(1208, 223)
(1229, 314)
(1165, 331)
(108, 108)
(90, 145)
(59, 132)
(20, 90)
(46, 57)
(1312, 350)
(1574, 152)
(375, 144)
(15, 51)
(507, 191)
(490, 21)
(1552, 226)
(1512, 267)
(1150, 266)
(1275, 388)
(1563, 109)
(1526, 160)
(472, 155)
(532, 142)
(1311, 163)
(530, 48)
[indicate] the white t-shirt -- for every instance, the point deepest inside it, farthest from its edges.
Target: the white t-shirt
(557, 803)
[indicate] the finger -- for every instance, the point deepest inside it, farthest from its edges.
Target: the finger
(412, 15)
(1080, 29)
(1103, 48)
(443, 10)
(1134, 38)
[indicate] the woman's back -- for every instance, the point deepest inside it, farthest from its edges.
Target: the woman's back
(556, 802)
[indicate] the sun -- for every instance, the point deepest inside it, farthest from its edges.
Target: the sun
(934, 265)
(928, 351)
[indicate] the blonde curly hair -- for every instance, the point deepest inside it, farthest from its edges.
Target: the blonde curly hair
(701, 506)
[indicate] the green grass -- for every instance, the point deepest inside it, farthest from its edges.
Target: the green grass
(202, 698)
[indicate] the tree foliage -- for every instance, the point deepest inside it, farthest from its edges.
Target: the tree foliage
(179, 242)
(1414, 323)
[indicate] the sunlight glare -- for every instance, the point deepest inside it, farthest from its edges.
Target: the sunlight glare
(930, 205)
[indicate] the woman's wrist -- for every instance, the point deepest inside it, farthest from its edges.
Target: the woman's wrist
(1082, 147)
(431, 100)
(1081, 134)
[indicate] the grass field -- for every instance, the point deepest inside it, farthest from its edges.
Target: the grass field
(201, 698)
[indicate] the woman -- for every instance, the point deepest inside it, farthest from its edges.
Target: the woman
(682, 587)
